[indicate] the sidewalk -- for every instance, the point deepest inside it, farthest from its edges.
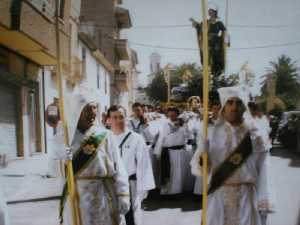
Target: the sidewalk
(26, 179)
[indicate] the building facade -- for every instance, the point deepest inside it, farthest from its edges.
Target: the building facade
(92, 56)
(155, 67)
(27, 45)
(105, 19)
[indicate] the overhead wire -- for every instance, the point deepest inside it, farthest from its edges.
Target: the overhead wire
(144, 45)
(233, 48)
(261, 26)
(196, 49)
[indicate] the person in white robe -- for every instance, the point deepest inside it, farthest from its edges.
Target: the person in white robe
(155, 125)
(102, 183)
(171, 154)
(136, 158)
(139, 123)
(192, 125)
(243, 198)
(213, 119)
(259, 117)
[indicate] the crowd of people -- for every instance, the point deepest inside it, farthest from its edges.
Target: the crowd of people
(119, 158)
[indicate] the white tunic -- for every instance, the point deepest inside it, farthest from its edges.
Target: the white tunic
(142, 129)
(169, 136)
(264, 123)
(136, 158)
(237, 204)
(99, 198)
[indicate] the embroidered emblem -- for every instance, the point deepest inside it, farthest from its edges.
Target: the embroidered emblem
(89, 149)
(236, 159)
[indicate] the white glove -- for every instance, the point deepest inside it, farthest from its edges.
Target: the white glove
(124, 204)
(122, 220)
(69, 154)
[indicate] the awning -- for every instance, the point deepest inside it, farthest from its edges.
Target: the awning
(22, 44)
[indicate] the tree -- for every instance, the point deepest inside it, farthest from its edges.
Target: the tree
(157, 90)
(178, 75)
(285, 72)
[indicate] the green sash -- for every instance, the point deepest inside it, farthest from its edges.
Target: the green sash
(81, 159)
(233, 162)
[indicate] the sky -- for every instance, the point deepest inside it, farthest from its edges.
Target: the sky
(252, 23)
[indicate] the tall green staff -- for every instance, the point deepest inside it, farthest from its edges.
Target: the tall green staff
(70, 175)
(205, 108)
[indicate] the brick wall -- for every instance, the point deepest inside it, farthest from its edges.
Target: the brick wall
(4, 12)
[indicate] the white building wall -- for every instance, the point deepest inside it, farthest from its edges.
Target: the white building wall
(97, 78)
(124, 100)
(30, 147)
(91, 81)
(51, 93)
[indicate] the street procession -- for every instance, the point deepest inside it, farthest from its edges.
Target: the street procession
(135, 112)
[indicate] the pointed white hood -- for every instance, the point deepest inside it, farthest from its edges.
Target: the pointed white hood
(74, 106)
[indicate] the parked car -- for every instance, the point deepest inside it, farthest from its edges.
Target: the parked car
(289, 129)
(178, 92)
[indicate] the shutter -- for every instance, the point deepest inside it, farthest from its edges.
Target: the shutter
(8, 121)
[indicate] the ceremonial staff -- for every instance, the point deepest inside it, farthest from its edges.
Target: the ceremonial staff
(70, 176)
(167, 75)
(205, 108)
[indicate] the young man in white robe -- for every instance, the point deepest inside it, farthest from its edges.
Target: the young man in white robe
(175, 175)
(213, 119)
(136, 158)
(260, 118)
(139, 123)
(241, 196)
(100, 178)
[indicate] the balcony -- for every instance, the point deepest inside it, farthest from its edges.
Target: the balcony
(122, 50)
(123, 18)
(44, 6)
(28, 28)
(122, 81)
(85, 35)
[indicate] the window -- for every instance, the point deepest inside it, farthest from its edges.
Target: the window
(61, 8)
(105, 82)
(100, 39)
(83, 56)
(98, 77)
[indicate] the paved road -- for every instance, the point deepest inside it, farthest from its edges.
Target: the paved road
(185, 210)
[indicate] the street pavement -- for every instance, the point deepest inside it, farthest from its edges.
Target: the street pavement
(285, 177)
